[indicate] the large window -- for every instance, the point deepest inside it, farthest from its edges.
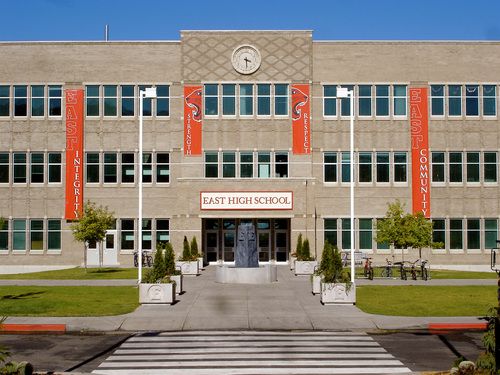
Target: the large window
(382, 167)
(346, 234)
(228, 164)
(4, 101)
(20, 101)
(264, 164)
(329, 100)
(228, 100)
(437, 100)
(92, 100)
(246, 100)
(473, 234)
(128, 100)
(246, 164)
(455, 100)
(490, 233)
(472, 100)
(55, 100)
(19, 234)
(147, 167)
(382, 100)
(162, 167)
(37, 168)
(330, 165)
(38, 101)
(365, 167)
(330, 231)
(400, 167)
(36, 234)
(147, 103)
(163, 100)
(345, 103)
(4, 235)
(365, 100)
(211, 165)
(211, 100)
(439, 231)
(281, 164)
(472, 166)
(110, 101)
(365, 234)
(4, 168)
(456, 235)
(162, 231)
(263, 99)
(128, 168)
(147, 237)
(127, 234)
(437, 166)
(19, 168)
(399, 100)
(54, 235)
(110, 168)
(490, 167)
(281, 99)
(93, 170)
(489, 100)
(345, 167)
(455, 171)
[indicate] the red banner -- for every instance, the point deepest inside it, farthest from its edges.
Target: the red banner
(74, 154)
(419, 125)
(301, 124)
(192, 120)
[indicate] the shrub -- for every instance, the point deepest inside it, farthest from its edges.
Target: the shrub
(169, 256)
(486, 360)
(194, 248)
(186, 250)
(330, 266)
(298, 249)
(158, 272)
(305, 254)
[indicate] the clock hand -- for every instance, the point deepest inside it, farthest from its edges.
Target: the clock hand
(246, 62)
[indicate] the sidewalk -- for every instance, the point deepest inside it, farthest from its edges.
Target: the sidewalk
(206, 305)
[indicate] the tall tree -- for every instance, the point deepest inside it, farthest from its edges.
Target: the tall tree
(92, 227)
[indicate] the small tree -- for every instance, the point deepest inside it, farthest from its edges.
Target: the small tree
(92, 227)
(305, 253)
(194, 248)
(159, 270)
(298, 249)
(186, 250)
(330, 267)
(169, 256)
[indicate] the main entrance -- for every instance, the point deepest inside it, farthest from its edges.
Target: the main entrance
(219, 238)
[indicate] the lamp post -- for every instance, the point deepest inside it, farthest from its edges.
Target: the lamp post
(149, 92)
(343, 92)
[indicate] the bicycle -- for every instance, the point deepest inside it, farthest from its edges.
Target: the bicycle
(387, 270)
(402, 270)
(147, 259)
(368, 268)
(420, 268)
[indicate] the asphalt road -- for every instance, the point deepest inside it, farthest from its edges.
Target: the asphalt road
(420, 351)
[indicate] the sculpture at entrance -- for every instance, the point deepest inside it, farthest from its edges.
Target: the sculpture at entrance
(246, 247)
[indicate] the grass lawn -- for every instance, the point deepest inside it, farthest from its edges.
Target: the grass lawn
(77, 273)
(426, 300)
(67, 300)
(437, 274)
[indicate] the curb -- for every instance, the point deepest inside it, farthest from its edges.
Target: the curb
(33, 328)
(457, 326)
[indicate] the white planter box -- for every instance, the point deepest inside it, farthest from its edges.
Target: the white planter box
(316, 284)
(157, 293)
(291, 261)
(337, 294)
(188, 268)
(178, 283)
(200, 263)
(305, 267)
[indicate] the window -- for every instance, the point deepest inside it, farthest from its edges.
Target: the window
(263, 99)
(365, 234)
(92, 167)
(128, 168)
(228, 165)
(437, 100)
(55, 100)
(382, 167)
(128, 100)
(455, 100)
(211, 165)
(127, 234)
(162, 168)
(346, 234)
(382, 100)
(473, 167)
(473, 234)
(4, 168)
(281, 99)
(228, 100)
(147, 103)
(4, 235)
(400, 169)
(330, 165)
(439, 231)
(20, 101)
(211, 100)
(490, 167)
(147, 167)
(4, 101)
(162, 231)
(399, 103)
(281, 165)
(489, 100)
(19, 168)
(54, 235)
(472, 100)
(37, 101)
(437, 166)
(329, 100)
(345, 167)
(455, 167)
(331, 231)
(345, 103)
(110, 100)
(365, 167)
(36, 234)
(264, 164)
(110, 175)
(37, 168)
(456, 235)
(163, 100)
(490, 233)
(19, 234)
(246, 164)
(365, 100)
(147, 226)
(246, 100)
(92, 94)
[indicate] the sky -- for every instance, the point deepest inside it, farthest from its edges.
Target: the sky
(36, 20)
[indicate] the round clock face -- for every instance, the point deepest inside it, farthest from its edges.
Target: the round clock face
(246, 59)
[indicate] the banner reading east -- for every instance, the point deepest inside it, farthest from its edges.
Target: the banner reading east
(74, 154)
(192, 120)
(301, 124)
(419, 125)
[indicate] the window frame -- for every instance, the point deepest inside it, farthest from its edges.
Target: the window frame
(51, 98)
(395, 98)
(472, 98)
(163, 98)
(382, 97)
(275, 96)
(93, 97)
(128, 97)
(442, 98)
(37, 97)
(8, 100)
(213, 96)
(459, 99)
(494, 100)
(364, 97)
(113, 99)
(89, 164)
(25, 98)
(333, 98)
(332, 165)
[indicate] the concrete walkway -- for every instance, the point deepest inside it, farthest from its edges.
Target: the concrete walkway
(206, 305)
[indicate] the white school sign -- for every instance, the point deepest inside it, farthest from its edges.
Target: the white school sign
(246, 200)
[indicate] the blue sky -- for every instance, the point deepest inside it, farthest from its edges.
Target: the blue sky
(330, 20)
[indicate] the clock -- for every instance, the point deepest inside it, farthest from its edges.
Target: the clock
(246, 59)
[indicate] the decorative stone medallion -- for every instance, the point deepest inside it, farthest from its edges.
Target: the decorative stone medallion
(246, 59)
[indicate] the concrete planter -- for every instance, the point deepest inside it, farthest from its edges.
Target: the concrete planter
(332, 294)
(291, 261)
(178, 284)
(305, 267)
(200, 263)
(188, 268)
(316, 284)
(157, 293)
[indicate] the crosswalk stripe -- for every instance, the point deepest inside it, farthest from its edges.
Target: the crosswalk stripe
(263, 353)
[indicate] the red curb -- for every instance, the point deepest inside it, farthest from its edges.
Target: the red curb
(33, 328)
(456, 326)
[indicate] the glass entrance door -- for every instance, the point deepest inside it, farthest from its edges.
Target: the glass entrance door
(211, 245)
(229, 236)
(264, 239)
